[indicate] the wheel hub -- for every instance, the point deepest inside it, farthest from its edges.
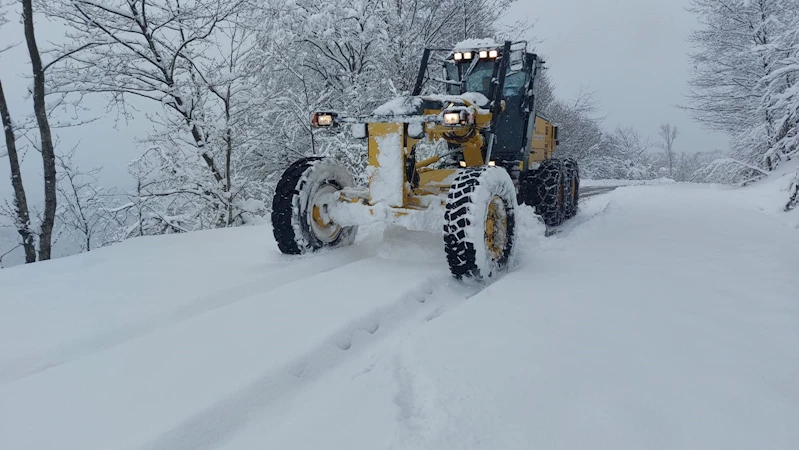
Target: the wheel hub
(496, 230)
(321, 225)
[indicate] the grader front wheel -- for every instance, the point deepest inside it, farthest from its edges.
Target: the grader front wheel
(480, 223)
(299, 221)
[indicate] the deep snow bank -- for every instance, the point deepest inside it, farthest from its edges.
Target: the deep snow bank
(771, 194)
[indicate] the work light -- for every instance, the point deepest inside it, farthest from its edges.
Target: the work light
(452, 118)
(458, 117)
(323, 119)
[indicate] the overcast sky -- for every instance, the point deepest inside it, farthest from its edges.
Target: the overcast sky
(632, 52)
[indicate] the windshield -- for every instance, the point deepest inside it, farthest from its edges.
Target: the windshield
(480, 79)
(453, 74)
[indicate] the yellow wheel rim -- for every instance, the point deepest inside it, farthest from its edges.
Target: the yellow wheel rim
(322, 227)
(496, 234)
(316, 214)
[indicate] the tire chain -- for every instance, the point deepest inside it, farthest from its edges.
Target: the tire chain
(542, 191)
(572, 173)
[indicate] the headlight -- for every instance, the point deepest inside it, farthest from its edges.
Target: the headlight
(467, 55)
(452, 118)
(493, 53)
(457, 56)
(458, 117)
(323, 119)
(483, 54)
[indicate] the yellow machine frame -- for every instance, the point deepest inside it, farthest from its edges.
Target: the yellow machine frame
(433, 183)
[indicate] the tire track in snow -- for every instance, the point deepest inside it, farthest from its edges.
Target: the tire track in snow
(591, 191)
(212, 427)
(418, 419)
(303, 269)
(589, 209)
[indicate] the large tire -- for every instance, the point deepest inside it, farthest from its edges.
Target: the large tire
(294, 227)
(543, 189)
(480, 223)
(572, 188)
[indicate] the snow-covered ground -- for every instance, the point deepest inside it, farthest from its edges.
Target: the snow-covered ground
(602, 183)
(662, 316)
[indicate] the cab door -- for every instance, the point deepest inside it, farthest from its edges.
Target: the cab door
(512, 124)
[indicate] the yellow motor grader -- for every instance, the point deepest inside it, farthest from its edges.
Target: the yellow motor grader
(461, 160)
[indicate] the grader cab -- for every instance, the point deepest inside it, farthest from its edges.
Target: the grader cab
(459, 161)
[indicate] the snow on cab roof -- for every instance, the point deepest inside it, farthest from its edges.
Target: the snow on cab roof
(472, 44)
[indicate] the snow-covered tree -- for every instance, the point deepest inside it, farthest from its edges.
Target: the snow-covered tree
(45, 144)
(84, 207)
(37, 130)
(626, 154)
(668, 134)
(781, 99)
(729, 64)
(193, 59)
(18, 211)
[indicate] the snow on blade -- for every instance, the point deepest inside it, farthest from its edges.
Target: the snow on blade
(399, 106)
(386, 185)
(475, 98)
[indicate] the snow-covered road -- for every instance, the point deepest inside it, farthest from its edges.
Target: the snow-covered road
(662, 316)
(591, 191)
